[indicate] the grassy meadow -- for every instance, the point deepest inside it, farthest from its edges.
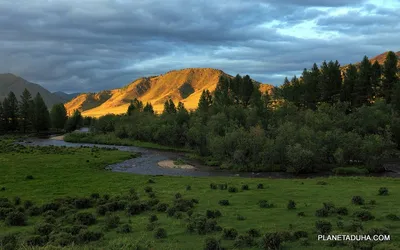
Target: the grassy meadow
(108, 210)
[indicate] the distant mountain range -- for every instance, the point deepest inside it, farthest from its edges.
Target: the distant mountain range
(66, 97)
(184, 85)
(16, 84)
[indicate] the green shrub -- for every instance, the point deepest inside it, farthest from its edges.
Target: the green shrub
(357, 200)
(354, 226)
(342, 211)
(260, 186)
(153, 218)
(62, 239)
(213, 214)
(188, 187)
(178, 196)
(9, 241)
(86, 236)
(95, 196)
(148, 189)
(224, 202)
(301, 214)
(150, 226)
(322, 183)
(271, 241)
(151, 195)
(124, 229)
(300, 234)
(4, 211)
(393, 217)
(160, 233)
(265, 204)
(244, 241)
(323, 227)
(50, 206)
(291, 204)
(213, 186)
(34, 211)
(229, 233)
(102, 210)
(17, 201)
(232, 190)
(35, 240)
(162, 207)
(111, 221)
(28, 204)
(363, 215)
(43, 229)
(383, 191)
(254, 233)
(151, 181)
(85, 218)
(372, 202)
(15, 219)
(223, 186)
(29, 177)
(83, 203)
(245, 187)
(212, 243)
(240, 217)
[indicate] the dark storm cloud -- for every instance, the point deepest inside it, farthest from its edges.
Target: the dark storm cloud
(92, 45)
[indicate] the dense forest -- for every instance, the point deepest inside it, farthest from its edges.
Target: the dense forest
(346, 118)
(32, 115)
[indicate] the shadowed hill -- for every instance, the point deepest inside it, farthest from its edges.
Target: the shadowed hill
(16, 84)
(184, 85)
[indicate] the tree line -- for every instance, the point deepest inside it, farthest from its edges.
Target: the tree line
(32, 115)
(326, 118)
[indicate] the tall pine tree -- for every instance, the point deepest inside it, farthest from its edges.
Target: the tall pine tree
(10, 107)
(41, 121)
(311, 91)
(363, 88)
(205, 101)
(376, 74)
(222, 96)
(26, 110)
(350, 78)
(58, 116)
(390, 75)
(148, 108)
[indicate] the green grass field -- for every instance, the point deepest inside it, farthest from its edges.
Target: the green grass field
(79, 172)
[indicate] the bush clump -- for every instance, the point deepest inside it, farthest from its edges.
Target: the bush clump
(213, 186)
(178, 196)
(86, 236)
(342, 211)
(300, 234)
(153, 218)
(29, 177)
(232, 190)
(111, 221)
(162, 207)
(17, 201)
(95, 196)
(357, 200)
(383, 191)
(213, 214)
(62, 239)
(245, 187)
(323, 227)
(224, 202)
(271, 241)
(36, 241)
(393, 217)
(212, 243)
(160, 233)
(265, 204)
(291, 204)
(43, 229)
(28, 204)
(240, 217)
(83, 203)
(125, 229)
(15, 219)
(202, 225)
(229, 233)
(260, 186)
(242, 241)
(188, 188)
(363, 215)
(301, 214)
(148, 189)
(85, 218)
(254, 233)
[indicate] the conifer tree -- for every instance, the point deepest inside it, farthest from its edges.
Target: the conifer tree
(205, 101)
(58, 116)
(246, 89)
(363, 87)
(311, 91)
(41, 121)
(169, 107)
(26, 110)
(10, 107)
(148, 108)
(376, 74)
(350, 78)
(221, 94)
(390, 75)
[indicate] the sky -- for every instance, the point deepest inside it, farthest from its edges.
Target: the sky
(91, 45)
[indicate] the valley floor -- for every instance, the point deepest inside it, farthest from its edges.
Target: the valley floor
(45, 174)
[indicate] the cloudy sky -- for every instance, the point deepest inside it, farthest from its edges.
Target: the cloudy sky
(89, 45)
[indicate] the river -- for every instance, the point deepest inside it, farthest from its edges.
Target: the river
(148, 163)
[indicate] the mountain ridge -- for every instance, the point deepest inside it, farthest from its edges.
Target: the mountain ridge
(185, 85)
(10, 82)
